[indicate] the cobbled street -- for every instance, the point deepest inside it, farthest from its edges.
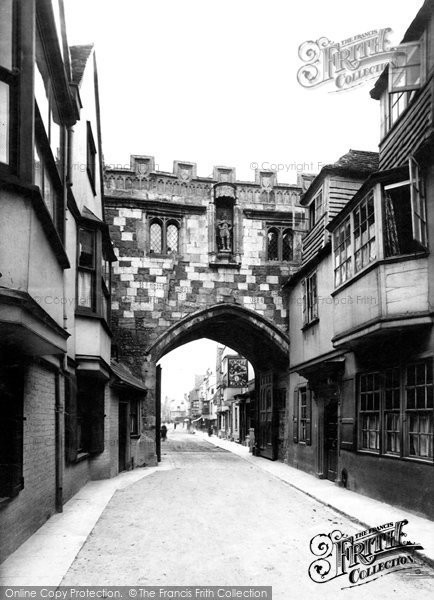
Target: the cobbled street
(193, 525)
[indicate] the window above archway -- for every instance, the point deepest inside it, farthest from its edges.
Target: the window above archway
(164, 235)
(280, 243)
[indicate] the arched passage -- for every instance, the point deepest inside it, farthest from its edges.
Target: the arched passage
(252, 336)
(247, 332)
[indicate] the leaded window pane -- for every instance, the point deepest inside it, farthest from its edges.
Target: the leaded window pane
(156, 238)
(273, 249)
(172, 238)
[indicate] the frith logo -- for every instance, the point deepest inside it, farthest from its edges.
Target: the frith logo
(362, 557)
(348, 63)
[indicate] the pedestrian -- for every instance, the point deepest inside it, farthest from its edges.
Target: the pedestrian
(210, 431)
(163, 432)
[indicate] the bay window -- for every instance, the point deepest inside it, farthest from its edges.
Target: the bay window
(86, 268)
(365, 250)
(343, 252)
(402, 206)
(396, 411)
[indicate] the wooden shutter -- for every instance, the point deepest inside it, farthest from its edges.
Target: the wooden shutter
(295, 417)
(70, 418)
(309, 395)
(96, 415)
(348, 415)
(11, 431)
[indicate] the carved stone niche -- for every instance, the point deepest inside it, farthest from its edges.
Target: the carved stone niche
(224, 174)
(185, 171)
(142, 165)
(224, 225)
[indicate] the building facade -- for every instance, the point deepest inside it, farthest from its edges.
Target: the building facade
(203, 257)
(362, 362)
(59, 396)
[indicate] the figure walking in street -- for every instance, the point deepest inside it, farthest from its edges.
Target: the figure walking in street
(163, 432)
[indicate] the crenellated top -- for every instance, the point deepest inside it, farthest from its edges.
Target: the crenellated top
(141, 180)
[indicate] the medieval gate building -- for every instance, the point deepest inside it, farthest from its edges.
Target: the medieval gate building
(204, 257)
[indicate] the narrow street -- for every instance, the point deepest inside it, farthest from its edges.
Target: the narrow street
(214, 519)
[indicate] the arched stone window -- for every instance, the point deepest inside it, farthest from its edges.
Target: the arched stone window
(164, 235)
(287, 245)
(156, 237)
(273, 244)
(280, 245)
(172, 235)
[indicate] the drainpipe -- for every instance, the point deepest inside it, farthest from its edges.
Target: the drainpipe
(58, 444)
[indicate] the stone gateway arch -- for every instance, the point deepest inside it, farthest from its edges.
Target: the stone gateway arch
(204, 257)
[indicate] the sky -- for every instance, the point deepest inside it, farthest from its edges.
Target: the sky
(214, 82)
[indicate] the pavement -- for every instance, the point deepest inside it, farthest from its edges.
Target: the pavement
(69, 546)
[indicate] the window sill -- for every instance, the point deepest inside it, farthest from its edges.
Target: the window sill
(135, 436)
(377, 263)
(411, 459)
(310, 324)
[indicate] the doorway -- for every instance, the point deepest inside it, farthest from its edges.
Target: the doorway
(123, 435)
(331, 440)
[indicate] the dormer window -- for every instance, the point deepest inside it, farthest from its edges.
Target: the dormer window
(406, 75)
(316, 209)
(405, 69)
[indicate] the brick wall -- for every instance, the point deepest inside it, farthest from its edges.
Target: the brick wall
(23, 515)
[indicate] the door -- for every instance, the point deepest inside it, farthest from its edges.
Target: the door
(331, 440)
(123, 435)
(266, 433)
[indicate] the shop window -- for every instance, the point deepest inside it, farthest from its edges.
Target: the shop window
(310, 299)
(396, 411)
(279, 243)
(164, 236)
(369, 416)
(84, 416)
(419, 410)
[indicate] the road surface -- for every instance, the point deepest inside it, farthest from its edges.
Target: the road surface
(215, 519)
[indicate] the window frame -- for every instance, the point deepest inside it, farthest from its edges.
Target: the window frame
(164, 223)
(316, 208)
(10, 78)
(399, 432)
(310, 299)
(281, 229)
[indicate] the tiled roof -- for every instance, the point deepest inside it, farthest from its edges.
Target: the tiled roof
(79, 57)
(357, 160)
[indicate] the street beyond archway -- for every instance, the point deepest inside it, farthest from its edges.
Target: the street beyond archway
(215, 519)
